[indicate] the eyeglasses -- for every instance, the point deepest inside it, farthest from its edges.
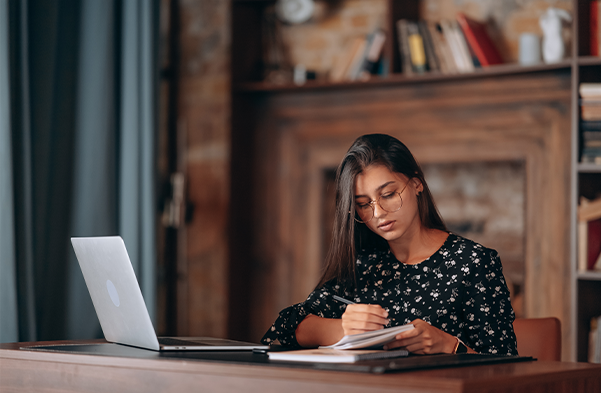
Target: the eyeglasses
(389, 202)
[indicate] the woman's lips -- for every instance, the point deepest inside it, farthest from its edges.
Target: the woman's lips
(386, 226)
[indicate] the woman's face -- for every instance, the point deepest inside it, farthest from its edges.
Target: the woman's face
(378, 183)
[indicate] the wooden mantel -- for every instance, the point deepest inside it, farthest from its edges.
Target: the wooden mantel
(285, 141)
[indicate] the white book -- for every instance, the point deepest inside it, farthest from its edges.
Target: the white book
(373, 339)
(463, 47)
(454, 46)
(590, 90)
(323, 355)
(357, 62)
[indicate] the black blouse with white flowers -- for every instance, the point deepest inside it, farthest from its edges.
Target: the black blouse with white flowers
(460, 290)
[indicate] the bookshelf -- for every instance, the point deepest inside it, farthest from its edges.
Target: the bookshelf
(251, 104)
(586, 180)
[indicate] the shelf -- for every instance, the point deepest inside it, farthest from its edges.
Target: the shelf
(589, 276)
(399, 79)
(589, 168)
(589, 60)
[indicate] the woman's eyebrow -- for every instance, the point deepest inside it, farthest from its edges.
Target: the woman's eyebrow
(377, 189)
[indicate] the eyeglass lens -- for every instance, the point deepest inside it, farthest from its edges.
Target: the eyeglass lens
(390, 203)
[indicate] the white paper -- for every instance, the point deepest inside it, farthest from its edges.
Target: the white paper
(375, 338)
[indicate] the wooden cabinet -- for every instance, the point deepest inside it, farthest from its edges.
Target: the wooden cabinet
(286, 139)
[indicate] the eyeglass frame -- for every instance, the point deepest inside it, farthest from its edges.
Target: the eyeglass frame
(372, 203)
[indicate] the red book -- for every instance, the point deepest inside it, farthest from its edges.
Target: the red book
(594, 28)
(479, 40)
(594, 243)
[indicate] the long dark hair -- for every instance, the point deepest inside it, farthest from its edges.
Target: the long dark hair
(348, 235)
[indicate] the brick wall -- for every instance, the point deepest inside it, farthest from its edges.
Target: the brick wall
(318, 43)
(204, 118)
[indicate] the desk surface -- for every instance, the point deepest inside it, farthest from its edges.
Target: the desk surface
(26, 371)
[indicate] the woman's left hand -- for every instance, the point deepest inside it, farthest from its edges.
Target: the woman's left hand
(424, 339)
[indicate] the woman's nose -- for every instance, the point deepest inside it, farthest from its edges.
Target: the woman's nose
(378, 211)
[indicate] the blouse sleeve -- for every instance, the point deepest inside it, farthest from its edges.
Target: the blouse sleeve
(319, 302)
(487, 308)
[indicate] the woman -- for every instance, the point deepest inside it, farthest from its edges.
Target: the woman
(392, 255)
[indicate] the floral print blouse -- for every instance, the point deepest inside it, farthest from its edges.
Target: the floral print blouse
(460, 289)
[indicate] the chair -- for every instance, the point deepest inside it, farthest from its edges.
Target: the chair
(539, 337)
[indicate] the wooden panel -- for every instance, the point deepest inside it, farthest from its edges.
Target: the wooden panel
(302, 134)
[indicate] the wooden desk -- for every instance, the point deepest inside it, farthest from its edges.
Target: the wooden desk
(35, 371)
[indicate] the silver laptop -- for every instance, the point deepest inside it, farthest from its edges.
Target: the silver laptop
(120, 306)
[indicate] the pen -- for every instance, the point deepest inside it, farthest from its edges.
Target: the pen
(343, 300)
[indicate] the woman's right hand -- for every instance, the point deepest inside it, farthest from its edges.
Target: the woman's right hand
(361, 318)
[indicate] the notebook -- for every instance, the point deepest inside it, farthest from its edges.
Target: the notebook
(326, 355)
(119, 304)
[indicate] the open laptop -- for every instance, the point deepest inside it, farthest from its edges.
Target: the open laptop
(120, 306)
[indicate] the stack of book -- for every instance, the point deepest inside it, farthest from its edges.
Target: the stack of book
(590, 125)
(448, 46)
(589, 235)
(361, 59)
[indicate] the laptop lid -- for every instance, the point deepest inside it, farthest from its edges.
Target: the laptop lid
(115, 292)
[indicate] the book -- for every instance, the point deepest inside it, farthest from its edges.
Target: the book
(441, 48)
(595, 28)
(592, 143)
(372, 54)
(590, 111)
(457, 47)
(465, 50)
(582, 246)
(591, 140)
(594, 243)
(590, 90)
(403, 38)
(369, 340)
(416, 48)
(591, 155)
(357, 60)
(324, 355)
(589, 125)
(589, 210)
(589, 234)
(343, 62)
(431, 58)
(479, 41)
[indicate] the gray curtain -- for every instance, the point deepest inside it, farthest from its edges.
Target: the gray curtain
(8, 286)
(82, 128)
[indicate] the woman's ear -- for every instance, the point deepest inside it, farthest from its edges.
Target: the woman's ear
(418, 185)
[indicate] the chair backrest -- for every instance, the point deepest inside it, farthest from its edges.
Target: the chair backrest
(539, 337)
